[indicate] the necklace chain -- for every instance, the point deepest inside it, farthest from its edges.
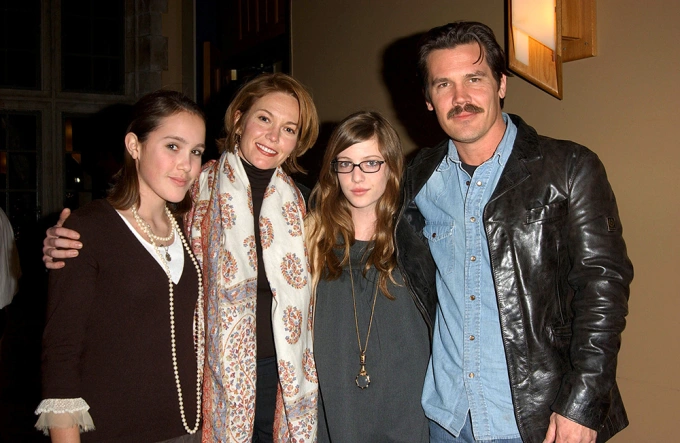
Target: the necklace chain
(198, 322)
(363, 379)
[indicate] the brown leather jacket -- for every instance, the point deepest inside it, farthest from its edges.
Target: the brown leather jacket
(561, 274)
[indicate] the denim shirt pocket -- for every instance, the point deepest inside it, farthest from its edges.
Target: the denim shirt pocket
(440, 238)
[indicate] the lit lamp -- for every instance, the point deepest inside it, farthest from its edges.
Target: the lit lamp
(544, 33)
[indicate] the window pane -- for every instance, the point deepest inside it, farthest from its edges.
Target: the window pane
(79, 77)
(20, 44)
(22, 211)
(92, 46)
(19, 165)
(76, 6)
(22, 170)
(103, 71)
(76, 34)
(103, 45)
(106, 9)
(18, 37)
(21, 132)
(22, 70)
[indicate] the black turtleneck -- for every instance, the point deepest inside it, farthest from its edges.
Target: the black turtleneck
(259, 180)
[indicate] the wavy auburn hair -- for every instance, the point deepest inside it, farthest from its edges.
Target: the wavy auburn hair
(259, 87)
(329, 223)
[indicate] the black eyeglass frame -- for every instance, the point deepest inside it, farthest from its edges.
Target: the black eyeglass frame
(334, 165)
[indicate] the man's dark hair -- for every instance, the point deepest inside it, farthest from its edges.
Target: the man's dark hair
(461, 33)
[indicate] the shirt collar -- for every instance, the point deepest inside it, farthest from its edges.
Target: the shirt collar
(500, 155)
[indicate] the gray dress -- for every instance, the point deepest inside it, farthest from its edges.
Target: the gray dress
(398, 350)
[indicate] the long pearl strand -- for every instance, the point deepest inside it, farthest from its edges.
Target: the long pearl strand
(199, 320)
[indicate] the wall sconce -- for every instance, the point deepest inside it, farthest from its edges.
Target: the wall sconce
(542, 34)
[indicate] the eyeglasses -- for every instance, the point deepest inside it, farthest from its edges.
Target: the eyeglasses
(367, 166)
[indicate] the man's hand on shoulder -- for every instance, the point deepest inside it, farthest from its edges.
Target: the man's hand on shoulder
(563, 430)
(60, 243)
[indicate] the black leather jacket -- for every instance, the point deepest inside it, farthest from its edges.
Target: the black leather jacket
(561, 274)
(416, 264)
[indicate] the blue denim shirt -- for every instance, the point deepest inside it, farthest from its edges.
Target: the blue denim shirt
(467, 370)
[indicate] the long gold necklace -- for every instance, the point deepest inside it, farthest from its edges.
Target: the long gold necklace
(198, 323)
(362, 379)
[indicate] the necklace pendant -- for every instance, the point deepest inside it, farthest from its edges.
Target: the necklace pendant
(166, 253)
(363, 379)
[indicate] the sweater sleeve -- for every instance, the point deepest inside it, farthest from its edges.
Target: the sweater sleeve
(70, 297)
(63, 413)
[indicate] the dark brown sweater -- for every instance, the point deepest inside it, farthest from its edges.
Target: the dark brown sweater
(107, 338)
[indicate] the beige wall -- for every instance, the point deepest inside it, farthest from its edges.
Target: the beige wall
(619, 103)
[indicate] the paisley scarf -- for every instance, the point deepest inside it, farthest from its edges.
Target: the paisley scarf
(221, 227)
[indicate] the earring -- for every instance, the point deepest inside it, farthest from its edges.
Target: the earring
(238, 142)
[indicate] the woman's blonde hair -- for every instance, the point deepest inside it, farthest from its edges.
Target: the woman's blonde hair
(329, 223)
(259, 87)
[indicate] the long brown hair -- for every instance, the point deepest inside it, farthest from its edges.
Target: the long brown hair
(147, 115)
(329, 223)
(259, 87)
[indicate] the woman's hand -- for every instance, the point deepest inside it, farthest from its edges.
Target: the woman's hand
(60, 243)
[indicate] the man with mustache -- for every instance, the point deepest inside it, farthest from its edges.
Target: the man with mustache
(532, 272)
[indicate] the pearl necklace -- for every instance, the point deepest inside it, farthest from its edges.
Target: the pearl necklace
(143, 224)
(199, 321)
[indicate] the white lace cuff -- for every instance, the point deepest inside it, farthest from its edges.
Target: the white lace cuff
(63, 413)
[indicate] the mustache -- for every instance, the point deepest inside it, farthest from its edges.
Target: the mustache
(469, 107)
